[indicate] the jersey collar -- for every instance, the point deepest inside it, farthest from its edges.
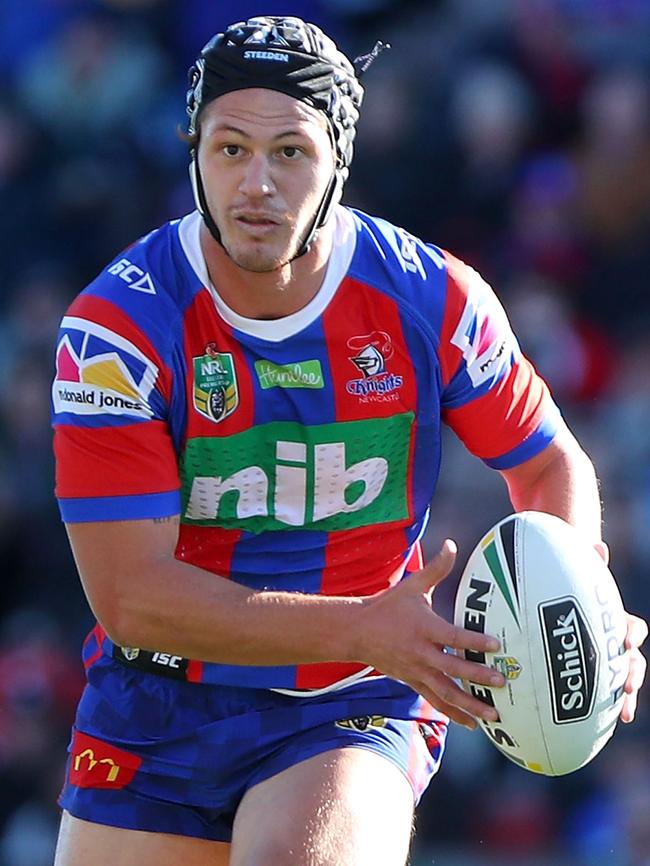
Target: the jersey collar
(275, 330)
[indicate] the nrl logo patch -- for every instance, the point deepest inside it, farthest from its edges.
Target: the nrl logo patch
(215, 391)
(508, 666)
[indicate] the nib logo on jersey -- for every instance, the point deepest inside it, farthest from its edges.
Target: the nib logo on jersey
(372, 351)
(98, 372)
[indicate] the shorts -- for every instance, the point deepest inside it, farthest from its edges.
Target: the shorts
(151, 753)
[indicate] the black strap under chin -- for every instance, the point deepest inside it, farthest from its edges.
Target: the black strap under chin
(321, 216)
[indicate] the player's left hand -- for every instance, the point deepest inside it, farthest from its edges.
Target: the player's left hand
(637, 632)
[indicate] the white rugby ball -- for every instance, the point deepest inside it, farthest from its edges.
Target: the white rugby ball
(538, 585)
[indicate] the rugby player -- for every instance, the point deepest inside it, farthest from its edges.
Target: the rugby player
(248, 405)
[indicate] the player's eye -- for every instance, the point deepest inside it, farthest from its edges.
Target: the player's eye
(290, 151)
(231, 149)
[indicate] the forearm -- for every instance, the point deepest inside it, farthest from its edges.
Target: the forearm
(562, 483)
(145, 597)
(191, 612)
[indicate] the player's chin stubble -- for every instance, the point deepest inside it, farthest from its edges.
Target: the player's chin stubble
(260, 260)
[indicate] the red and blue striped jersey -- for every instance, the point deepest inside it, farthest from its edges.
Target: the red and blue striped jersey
(301, 453)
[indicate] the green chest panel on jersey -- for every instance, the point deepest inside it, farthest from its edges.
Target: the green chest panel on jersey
(285, 475)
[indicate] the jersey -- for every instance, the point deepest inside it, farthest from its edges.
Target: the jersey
(301, 453)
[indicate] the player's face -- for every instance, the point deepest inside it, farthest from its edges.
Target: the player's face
(265, 161)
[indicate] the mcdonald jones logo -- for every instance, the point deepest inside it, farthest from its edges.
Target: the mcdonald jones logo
(96, 764)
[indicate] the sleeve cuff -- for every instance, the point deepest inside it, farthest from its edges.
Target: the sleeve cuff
(531, 446)
(135, 507)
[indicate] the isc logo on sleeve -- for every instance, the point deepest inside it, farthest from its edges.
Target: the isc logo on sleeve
(98, 372)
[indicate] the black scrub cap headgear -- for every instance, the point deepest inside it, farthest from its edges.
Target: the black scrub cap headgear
(291, 56)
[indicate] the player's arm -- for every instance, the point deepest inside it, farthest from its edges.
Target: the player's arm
(145, 597)
(559, 480)
(503, 413)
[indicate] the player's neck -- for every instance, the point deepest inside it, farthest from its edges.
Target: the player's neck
(271, 295)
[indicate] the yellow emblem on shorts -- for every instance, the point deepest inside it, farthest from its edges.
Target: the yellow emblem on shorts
(362, 723)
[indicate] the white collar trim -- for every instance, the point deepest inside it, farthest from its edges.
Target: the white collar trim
(275, 330)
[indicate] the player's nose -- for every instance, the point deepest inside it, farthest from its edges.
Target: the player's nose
(257, 180)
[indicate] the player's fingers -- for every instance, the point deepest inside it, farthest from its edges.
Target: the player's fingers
(637, 631)
(629, 708)
(603, 551)
(435, 571)
(633, 683)
(637, 671)
(456, 666)
(459, 638)
(452, 694)
(455, 714)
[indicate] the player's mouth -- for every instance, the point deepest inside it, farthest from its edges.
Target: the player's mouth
(257, 223)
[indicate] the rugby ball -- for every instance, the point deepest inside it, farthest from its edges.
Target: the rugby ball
(537, 584)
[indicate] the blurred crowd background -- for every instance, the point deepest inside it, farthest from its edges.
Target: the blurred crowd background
(515, 133)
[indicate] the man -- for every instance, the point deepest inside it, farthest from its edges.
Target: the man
(247, 409)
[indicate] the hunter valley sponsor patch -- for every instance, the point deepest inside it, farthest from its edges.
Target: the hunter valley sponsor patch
(299, 374)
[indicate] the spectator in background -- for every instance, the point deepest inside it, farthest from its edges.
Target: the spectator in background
(570, 352)
(613, 817)
(613, 173)
(24, 27)
(40, 683)
(25, 171)
(84, 82)
(543, 232)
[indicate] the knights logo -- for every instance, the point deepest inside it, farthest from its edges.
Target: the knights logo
(372, 351)
(215, 384)
(508, 666)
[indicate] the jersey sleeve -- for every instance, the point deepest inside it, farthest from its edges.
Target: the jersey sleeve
(115, 458)
(492, 397)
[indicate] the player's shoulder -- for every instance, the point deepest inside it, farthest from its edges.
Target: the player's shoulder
(385, 248)
(149, 278)
(143, 291)
(388, 249)
(420, 276)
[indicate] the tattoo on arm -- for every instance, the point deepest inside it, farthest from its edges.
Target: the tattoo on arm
(176, 518)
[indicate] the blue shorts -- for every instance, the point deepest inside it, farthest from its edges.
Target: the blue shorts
(150, 753)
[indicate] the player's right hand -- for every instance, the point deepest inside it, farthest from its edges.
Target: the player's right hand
(405, 639)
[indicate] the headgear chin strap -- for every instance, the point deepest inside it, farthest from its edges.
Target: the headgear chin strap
(331, 198)
(293, 57)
